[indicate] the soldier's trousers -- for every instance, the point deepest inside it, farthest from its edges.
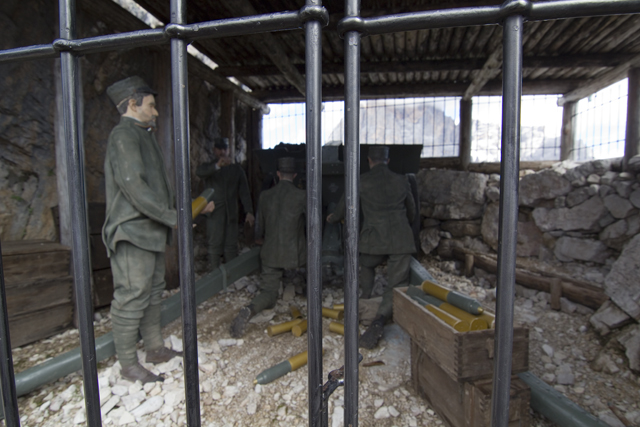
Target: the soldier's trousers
(138, 282)
(269, 288)
(397, 275)
(222, 237)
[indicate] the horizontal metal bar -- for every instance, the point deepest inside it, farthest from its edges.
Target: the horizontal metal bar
(42, 51)
(69, 362)
(562, 9)
(211, 29)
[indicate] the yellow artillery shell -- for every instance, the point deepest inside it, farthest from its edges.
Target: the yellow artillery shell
(476, 323)
(282, 327)
(489, 318)
(336, 327)
(457, 299)
(299, 329)
(455, 323)
(201, 202)
(332, 314)
(435, 290)
(339, 307)
(298, 361)
(295, 313)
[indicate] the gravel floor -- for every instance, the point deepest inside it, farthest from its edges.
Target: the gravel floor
(563, 349)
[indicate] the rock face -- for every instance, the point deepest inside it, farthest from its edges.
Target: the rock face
(452, 194)
(529, 237)
(608, 317)
(630, 340)
(570, 248)
(622, 284)
(584, 216)
(544, 185)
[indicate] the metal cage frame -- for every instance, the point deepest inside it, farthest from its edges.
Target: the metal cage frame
(312, 17)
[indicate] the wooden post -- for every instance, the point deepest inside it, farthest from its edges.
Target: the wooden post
(468, 265)
(254, 142)
(556, 293)
(567, 138)
(164, 135)
(465, 133)
(227, 120)
(632, 140)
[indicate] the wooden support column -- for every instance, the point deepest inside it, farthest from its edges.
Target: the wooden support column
(632, 140)
(164, 135)
(465, 133)
(567, 138)
(227, 119)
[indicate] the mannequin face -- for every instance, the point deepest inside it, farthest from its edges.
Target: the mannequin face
(145, 113)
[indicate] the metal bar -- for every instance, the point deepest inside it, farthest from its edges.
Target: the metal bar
(352, 214)
(179, 81)
(244, 26)
(77, 201)
(28, 53)
(7, 379)
(508, 222)
(562, 9)
(313, 57)
(114, 41)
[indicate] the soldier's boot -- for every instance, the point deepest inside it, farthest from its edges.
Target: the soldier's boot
(152, 335)
(239, 324)
(125, 337)
(372, 335)
(367, 278)
(137, 373)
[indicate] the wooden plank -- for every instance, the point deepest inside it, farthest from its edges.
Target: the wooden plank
(32, 296)
(99, 258)
(26, 267)
(37, 325)
(102, 288)
(556, 293)
(25, 247)
(477, 404)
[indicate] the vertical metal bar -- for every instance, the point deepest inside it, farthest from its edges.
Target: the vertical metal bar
(313, 56)
(79, 237)
(7, 378)
(352, 205)
(179, 81)
(511, 98)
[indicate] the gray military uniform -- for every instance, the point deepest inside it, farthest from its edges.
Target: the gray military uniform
(281, 219)
(139, 218)
(229, 183)
(387, 207)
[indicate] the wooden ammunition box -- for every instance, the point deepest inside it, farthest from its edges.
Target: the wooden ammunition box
(464, 356)
(38, 288)
(467, 403)
(454, 370)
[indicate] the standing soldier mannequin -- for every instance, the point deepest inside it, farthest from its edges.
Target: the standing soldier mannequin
(281, 211)
(139, 218)
(388, 208)
(229, 183)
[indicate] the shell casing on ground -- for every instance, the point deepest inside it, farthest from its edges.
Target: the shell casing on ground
(336, 327)
(282, 327)
(332, 314)
(339, 307)
(300, 328)
(295, 312)
(282, 368)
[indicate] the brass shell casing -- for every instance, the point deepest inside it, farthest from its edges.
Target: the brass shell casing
(295, 312)
(336, 327)
(299, 329)
(282, 327)
(339, 307)
(298, 361)
(332, 314)
(457, 324)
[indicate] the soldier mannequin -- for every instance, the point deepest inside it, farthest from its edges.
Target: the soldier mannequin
(388, 207)
(281, 221)
(229, 183)
(139, 218)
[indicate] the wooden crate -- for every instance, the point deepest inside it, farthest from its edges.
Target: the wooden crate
(466, 403)
(464, 356)
(39, 289)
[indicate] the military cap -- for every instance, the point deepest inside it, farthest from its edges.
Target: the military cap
(126, 88)
(287, 165)
(379, 153)
(221, 143)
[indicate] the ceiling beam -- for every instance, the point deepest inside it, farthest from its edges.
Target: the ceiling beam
(566, 61)
(594, 85)
(490, 70)
(269, 45)
(409, 90)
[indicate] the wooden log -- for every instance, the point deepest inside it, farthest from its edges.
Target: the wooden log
(575, 290)
(556, 293)
(468, 265)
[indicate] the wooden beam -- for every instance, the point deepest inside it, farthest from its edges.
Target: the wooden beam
(534, 87)
(269, 45)
(567, 137)
(491, 68)
(632, 140)
(565, 61)
(601, 82)
(440, 163)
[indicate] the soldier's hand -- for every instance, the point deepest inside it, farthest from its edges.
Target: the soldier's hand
(330, 218)
(209, 208)
(250, 219)
(224, 161)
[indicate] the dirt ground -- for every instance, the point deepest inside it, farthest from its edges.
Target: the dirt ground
(559, 343)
